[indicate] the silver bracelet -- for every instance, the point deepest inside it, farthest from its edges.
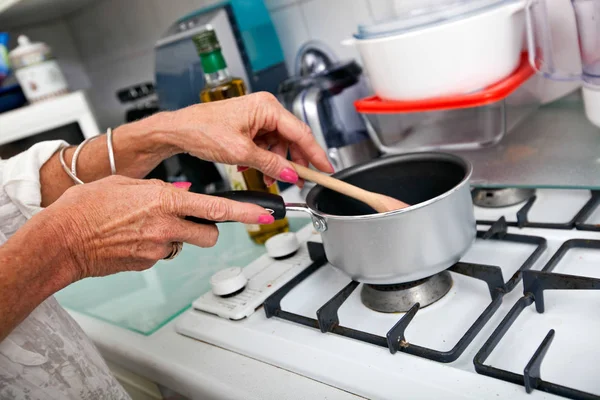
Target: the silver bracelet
(76, 154)
(61, 157)
(111, 152)
(111, 155)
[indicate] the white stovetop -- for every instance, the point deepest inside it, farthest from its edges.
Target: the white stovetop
(200, 370)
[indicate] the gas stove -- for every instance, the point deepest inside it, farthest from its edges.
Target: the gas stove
(513, 319)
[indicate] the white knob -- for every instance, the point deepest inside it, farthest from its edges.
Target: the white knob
(282, 245)
(228, 281)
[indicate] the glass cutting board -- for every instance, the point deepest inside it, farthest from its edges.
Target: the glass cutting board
(557, 147)
(145, 301)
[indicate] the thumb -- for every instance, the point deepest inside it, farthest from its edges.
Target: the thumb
(273, 165)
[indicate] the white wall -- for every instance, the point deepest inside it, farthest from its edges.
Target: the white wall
(116, 41)
(330, 21)
(111, 42)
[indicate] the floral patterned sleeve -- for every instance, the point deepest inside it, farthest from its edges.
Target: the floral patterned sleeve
(47, 356)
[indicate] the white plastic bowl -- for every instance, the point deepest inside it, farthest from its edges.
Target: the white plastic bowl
(449, 58)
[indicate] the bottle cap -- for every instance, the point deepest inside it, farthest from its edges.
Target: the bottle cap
(206, 41)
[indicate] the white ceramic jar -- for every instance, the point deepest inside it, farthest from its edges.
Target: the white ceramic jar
(37, 71)
(449, 54)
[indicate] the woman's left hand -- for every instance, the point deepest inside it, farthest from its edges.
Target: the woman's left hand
(253, 131)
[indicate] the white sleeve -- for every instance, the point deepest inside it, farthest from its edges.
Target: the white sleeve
(20, 195)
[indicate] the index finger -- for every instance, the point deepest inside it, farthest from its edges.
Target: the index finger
(299, 133)
(218, 209)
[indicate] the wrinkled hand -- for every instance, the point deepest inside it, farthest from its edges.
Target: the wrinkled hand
(253, 130)
(121, 224)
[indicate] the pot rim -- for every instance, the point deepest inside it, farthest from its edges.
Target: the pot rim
(423, 156)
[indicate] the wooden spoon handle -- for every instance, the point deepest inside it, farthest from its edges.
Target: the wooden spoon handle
(338, 186)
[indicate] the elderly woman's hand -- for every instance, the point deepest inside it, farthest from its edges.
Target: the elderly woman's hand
(248, 131)
(253, 130)
(121, 224)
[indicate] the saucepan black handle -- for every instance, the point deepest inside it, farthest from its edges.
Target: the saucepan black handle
(266, 200)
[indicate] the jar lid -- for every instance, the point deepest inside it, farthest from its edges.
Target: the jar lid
(496, 92)
(25, 47)
(416, 14)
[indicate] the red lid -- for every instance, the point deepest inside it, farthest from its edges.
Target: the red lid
(491, 94)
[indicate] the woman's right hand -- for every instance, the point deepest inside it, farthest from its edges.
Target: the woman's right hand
(121, 224)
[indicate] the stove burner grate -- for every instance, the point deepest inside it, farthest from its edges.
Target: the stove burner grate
(587, 211)
(498, 231)
(577, 222)
(534, 284)
(327, 316)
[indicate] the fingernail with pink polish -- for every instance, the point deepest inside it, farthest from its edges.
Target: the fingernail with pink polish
(182, 185)
(266, 219)
(331, 166)
(241, 169)
(289, 175)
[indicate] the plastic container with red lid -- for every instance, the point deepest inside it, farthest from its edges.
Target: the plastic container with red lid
(455, 122)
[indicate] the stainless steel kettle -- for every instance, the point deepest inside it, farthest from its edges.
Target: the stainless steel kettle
(322, 94)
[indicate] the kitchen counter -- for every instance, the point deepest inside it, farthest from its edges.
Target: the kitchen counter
(199, 370)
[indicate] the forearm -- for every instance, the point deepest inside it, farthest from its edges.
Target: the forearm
(32, 268)
(139, 147)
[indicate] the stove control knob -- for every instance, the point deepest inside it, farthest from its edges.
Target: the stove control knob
(228, 281)
(282, 245)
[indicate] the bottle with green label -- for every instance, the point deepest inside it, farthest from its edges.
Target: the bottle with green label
(221, 85)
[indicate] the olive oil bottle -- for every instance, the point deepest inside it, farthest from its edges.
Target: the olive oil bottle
(221, 85)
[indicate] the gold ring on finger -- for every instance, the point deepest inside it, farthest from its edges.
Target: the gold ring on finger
(175, 250)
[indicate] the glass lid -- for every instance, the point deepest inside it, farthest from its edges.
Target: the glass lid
(413, 14)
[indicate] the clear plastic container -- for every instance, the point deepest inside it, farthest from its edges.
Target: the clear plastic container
(460, 129)
(451, 123)
(547, 44)
(406, 15)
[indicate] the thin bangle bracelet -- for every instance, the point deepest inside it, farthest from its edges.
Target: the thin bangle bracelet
(111, 152)
(76, 154)
(61, 157)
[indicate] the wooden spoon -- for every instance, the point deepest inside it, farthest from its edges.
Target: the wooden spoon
(378, 202)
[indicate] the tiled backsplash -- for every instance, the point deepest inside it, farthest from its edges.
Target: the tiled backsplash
(111, 42)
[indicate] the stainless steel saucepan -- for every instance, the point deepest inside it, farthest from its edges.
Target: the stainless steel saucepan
(398, 246)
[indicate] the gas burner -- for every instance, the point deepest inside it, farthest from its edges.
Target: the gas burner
(492, 198)
(402, 296)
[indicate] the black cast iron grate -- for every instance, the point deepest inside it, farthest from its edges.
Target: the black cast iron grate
(581, 221)
(534, 285)
(498, 231)
(578, 221)
(327, 316)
